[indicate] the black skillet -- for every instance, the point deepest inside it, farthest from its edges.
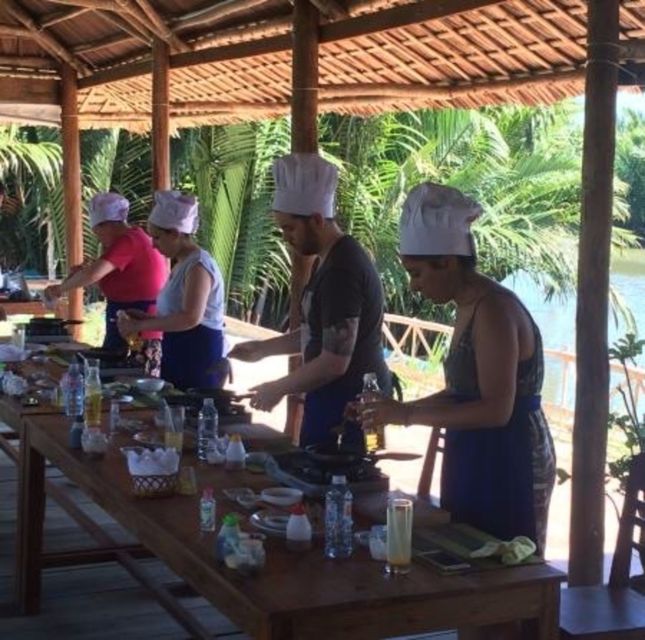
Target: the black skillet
(332, 455)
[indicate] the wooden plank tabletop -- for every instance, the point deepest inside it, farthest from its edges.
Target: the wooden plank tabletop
(301, 595)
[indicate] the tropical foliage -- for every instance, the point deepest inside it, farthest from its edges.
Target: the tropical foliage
(522, 164)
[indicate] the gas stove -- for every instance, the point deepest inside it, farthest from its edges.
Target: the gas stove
(297, 469)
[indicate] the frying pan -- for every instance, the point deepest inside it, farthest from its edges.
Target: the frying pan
(332, 455)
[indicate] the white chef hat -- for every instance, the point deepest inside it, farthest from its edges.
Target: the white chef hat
(436, 221)
(304, 184)
(108, 207)
(175, 210)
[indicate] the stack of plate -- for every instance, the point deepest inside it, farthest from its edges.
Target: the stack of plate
(271, 522)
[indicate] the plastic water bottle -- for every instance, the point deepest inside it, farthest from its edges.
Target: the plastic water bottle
(207, 422)
(73, 390)
(338, 519)
(207, 510)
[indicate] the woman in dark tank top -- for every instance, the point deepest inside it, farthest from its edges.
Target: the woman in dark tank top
(498, 468)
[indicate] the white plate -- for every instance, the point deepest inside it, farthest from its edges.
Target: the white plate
(270, 522)
(281, 496)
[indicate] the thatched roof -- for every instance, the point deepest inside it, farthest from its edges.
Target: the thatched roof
(231, 60)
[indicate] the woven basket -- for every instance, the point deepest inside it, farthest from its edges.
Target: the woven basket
(154, 486)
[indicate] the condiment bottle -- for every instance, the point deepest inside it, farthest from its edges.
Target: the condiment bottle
(298, 529)
(228, 536)
(76, 432)
(207, 510)
(235, 454)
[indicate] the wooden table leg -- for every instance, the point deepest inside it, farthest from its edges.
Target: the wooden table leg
(549, 620)
(31, 516)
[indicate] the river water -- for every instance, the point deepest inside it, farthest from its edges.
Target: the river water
(556, 317)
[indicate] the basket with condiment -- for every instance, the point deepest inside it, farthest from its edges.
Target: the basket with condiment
(153, 472)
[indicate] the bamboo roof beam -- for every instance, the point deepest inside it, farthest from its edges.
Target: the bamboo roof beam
(28, 62)
(45, 39)
(161, 27)
(61, 16)
(95, 5)
(133, 30)
(633, 50)
(15, 32)
(27, 75)
(103, 44)
(330, 8)
(219, 11)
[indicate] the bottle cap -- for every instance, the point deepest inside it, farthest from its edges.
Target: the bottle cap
(230, 519)
(236, 437)
(338, 480)
(298, 509)
(208, 492)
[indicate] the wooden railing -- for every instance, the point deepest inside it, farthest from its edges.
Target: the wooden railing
(413, 343)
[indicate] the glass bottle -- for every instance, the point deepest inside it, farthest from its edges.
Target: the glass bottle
(374, 436)
(93, 395)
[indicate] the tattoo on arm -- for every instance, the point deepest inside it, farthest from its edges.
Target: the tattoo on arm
(340, 338)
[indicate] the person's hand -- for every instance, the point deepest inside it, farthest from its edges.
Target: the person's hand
(53, 292)
(266, 396)
(127, 326)
(250, 351)
(381, 411)
(77, 267)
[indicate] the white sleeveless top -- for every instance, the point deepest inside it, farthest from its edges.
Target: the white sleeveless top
(171, 297)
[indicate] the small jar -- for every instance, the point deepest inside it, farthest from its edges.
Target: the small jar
(235, 454)
(94, 443)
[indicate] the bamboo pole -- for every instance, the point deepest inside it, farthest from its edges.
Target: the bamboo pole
(72, 183)
(217, 12)
(57, 17)
(161, 27)
(304, 138)
(592, 390)
(160, 115)
(45, 39)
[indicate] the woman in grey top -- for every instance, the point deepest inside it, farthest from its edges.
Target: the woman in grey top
(190, 308)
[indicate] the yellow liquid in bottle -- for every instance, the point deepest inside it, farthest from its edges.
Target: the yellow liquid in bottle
(93, 409)
(174, 439)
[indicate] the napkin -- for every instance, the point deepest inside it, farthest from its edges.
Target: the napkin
(511, 552)
(11, 353)
(159, 462)
(14, 385)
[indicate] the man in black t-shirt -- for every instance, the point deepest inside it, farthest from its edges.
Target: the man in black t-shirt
(341, 308)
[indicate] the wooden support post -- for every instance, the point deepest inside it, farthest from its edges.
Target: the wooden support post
(160, 115)
(304, 138)
(72, 183)
(592, 390)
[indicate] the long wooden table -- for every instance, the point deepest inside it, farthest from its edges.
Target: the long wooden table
(296, 595)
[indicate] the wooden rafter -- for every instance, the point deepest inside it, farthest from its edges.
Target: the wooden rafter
(633, 50)
(215, 13)
(161, 27)
(44, 38)
(330, 8)
(132, 30)
(104, 43)
(61, 16)
(141, 12)
(15, 32)
(27, 62)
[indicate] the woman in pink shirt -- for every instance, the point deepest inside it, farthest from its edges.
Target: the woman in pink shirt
(130, 273)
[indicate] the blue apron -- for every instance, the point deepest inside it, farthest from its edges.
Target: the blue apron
(487, 475)
(187, 355)
(324, 410)
(113, 339)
